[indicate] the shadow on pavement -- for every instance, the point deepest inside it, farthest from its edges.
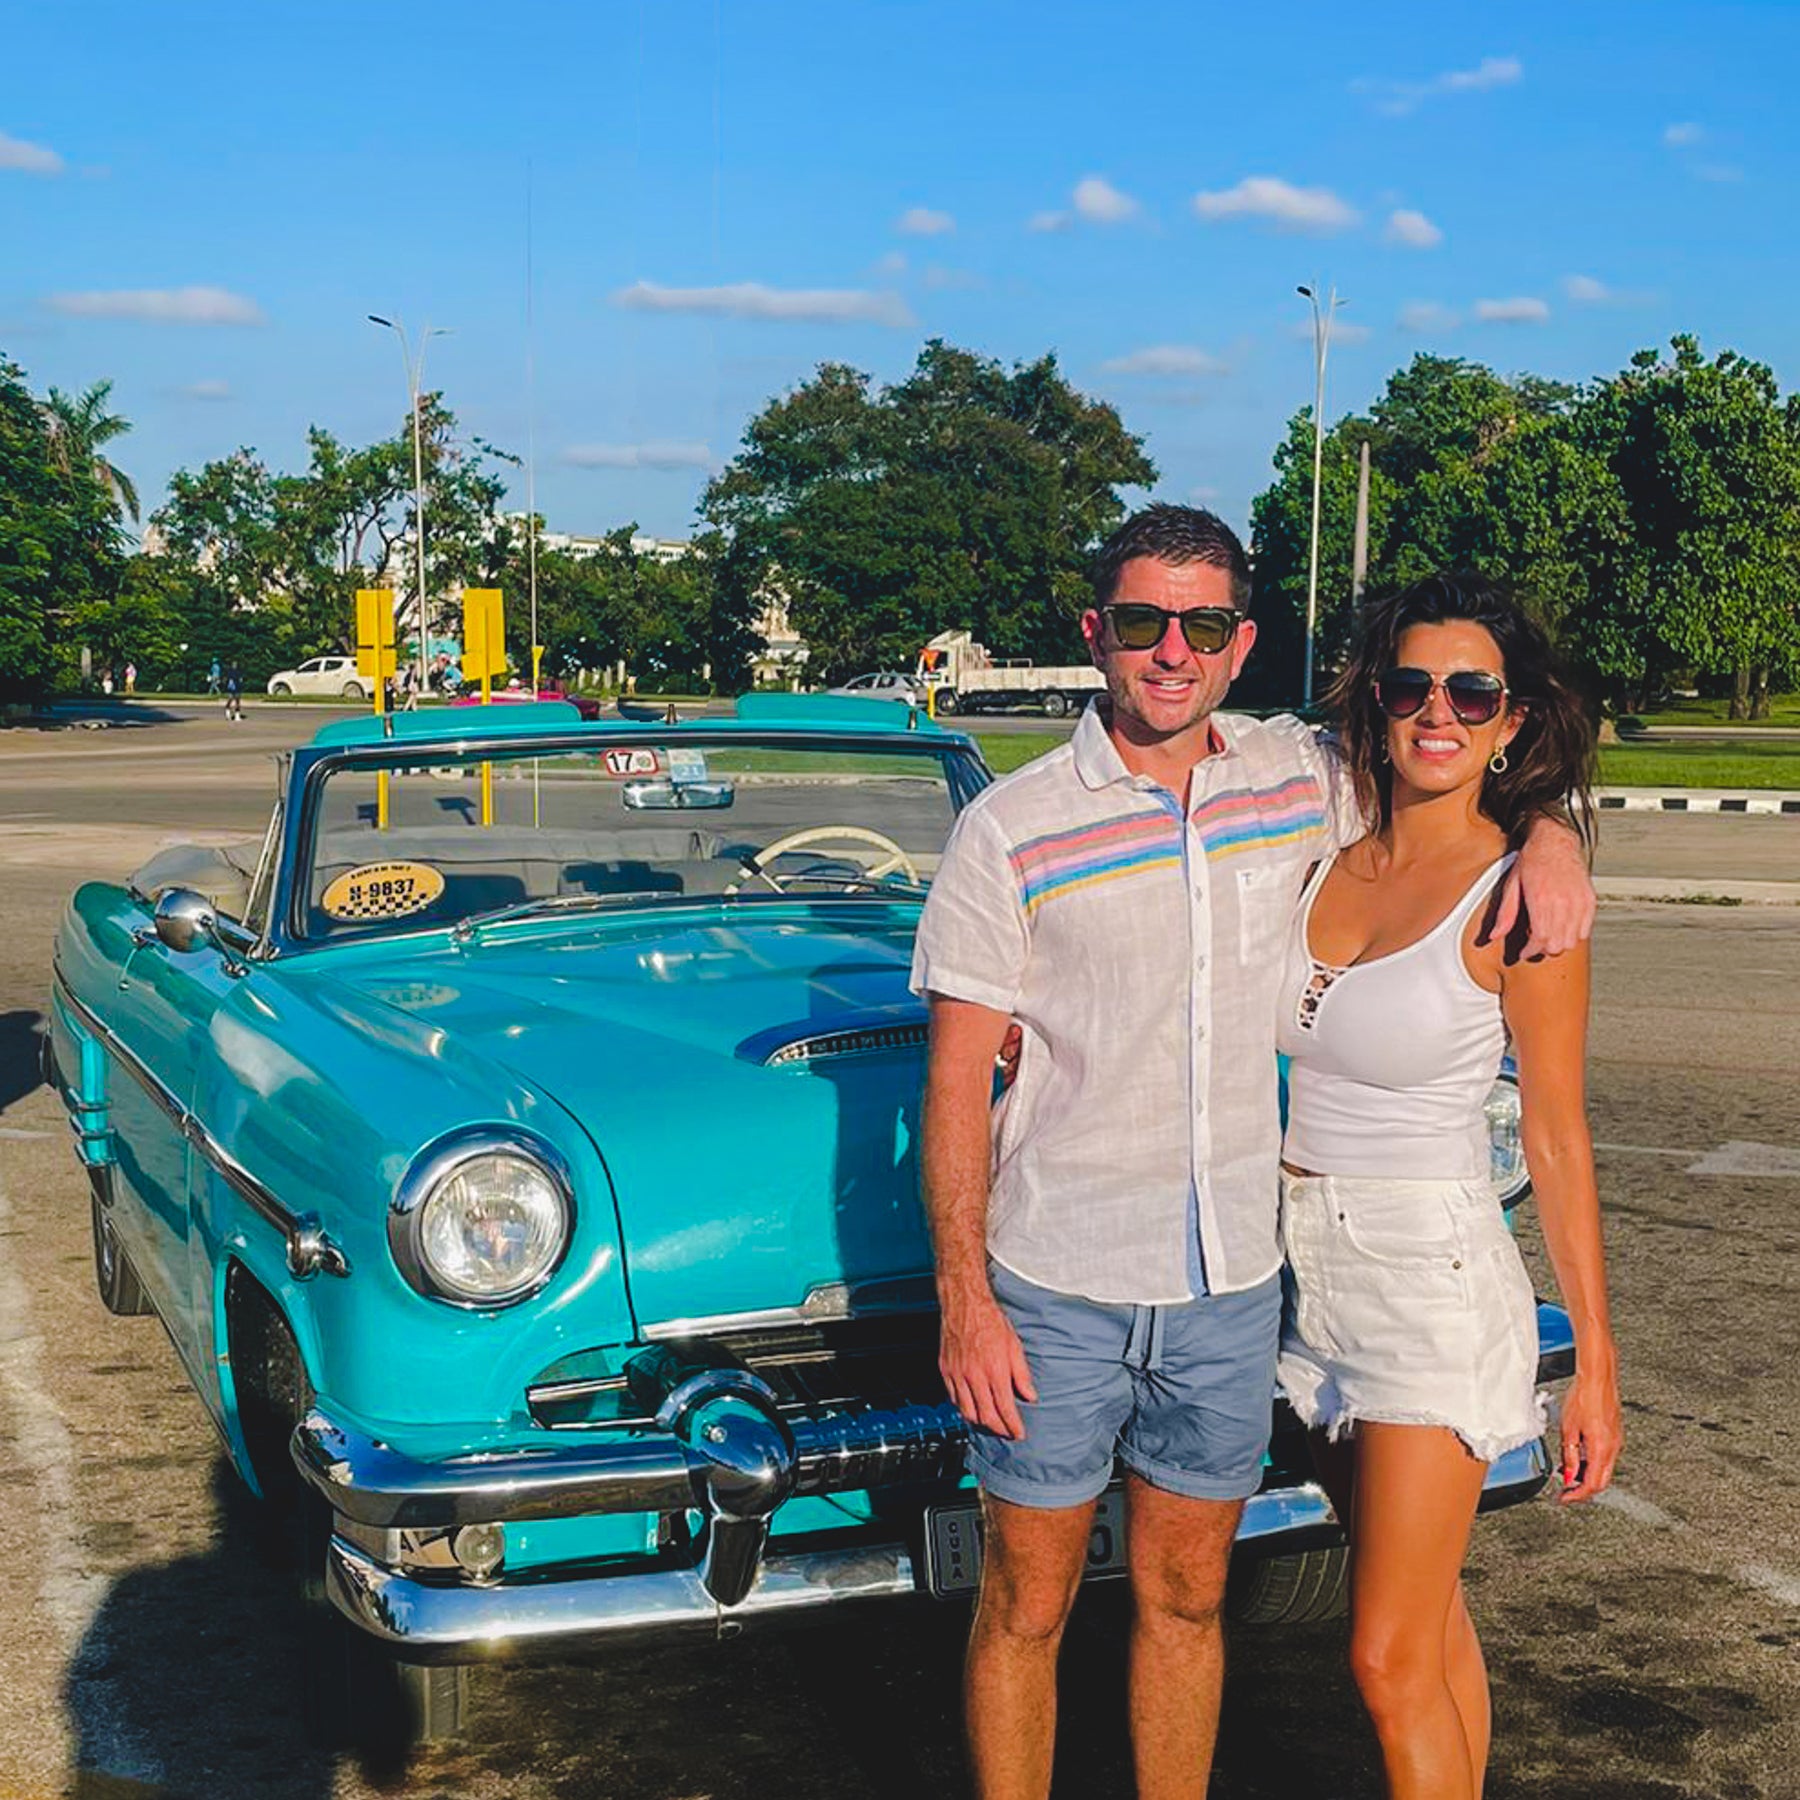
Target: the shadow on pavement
(188, 1679)
(99, 714)
(21, 1042)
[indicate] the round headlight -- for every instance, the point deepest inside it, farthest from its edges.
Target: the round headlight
(1506, 1148)
(482, 1217)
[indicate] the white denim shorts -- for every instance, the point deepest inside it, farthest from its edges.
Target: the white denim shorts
(1408, 1304)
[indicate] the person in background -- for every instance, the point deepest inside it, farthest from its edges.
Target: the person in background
(234, 695)
(131, 678)
(212, 676)
(1410, 1340)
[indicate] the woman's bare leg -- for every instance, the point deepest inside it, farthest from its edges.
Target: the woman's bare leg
(1412, 1649)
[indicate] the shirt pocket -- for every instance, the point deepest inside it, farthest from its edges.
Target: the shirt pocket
(1265, 896)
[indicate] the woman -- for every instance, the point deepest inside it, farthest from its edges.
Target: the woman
(1410, 1346)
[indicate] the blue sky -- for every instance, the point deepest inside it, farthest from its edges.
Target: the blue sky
(203, 202)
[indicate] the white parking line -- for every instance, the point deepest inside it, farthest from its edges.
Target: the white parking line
(68, 1596)
(1777, 1584)
(1739, 1157)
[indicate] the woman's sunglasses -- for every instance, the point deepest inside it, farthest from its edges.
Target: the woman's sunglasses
(1207, 629)
(1475, 696)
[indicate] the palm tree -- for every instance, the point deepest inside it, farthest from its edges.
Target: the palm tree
(79, 425)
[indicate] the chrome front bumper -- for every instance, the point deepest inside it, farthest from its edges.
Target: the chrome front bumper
(719, 1447)
(430, 1620)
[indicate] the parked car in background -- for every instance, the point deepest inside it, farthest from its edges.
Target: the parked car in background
(520, 1146)
(322, 675)
(884, 684)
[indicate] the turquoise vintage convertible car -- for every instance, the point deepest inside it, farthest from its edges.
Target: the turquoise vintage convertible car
(520, 1148)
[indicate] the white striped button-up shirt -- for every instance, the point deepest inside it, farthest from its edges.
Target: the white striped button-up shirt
(1139, 950)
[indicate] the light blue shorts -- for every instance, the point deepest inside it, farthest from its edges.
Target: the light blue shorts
(1181, 1394)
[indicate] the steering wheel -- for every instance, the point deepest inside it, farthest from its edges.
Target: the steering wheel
(896, 858)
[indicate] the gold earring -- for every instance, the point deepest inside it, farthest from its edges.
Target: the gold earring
(1497, 764)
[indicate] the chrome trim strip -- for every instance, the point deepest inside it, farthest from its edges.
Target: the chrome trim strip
(433, 1623)
(824, 1304)
(309, 1250)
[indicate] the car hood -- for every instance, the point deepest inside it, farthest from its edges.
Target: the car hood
(740, 1186)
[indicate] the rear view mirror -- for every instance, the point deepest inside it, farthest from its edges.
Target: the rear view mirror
(678, 796)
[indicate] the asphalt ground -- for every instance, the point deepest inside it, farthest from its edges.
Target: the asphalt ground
(1645, 1648)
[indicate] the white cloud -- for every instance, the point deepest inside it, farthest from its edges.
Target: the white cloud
(754, 300)
(1412, 229)
(1165, 359)
(28, 159)
(924, 221)
(1343, 331)
(206, 390)
(1682, 135)
(161, 306)
(1049, 221)
(638, 456)
(1585, 290)
(1397, 98)
(1100, 203)
(894, 263)
(1280, 202)
(1428, 316)
(1522, 310)
(1719, 172)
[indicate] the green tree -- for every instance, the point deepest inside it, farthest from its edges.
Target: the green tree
(80, 427)
(59, 543)
(966, 496)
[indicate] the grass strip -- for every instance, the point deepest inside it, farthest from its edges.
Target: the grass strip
(1747, 766)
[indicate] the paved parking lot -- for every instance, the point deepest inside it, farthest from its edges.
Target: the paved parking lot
(1644, 1649)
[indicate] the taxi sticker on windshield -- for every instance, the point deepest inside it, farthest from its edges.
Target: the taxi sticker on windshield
(631, 762)
(383, 890)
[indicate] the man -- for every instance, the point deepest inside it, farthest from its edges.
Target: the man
(1108, 1268)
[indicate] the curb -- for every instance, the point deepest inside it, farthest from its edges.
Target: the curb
(1687, 890)
(1696, 800)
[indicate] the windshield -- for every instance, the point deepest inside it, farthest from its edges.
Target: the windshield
(456, 840)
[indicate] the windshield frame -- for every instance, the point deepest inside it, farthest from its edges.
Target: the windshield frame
(965, 775)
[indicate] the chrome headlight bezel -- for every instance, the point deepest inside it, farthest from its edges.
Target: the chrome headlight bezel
(426, 1177)
(1503, 1096)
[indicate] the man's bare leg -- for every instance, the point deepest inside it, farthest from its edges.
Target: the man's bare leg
(1031, 1569)
(1179, 1550)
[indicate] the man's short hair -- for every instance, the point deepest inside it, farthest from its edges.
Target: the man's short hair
(1173, 534)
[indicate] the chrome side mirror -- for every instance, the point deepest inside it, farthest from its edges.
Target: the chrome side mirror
(187, 921)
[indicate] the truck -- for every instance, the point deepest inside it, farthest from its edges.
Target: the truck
(963, 678)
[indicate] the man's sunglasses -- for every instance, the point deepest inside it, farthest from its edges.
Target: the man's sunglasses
(1207, 629)
(1475, 696)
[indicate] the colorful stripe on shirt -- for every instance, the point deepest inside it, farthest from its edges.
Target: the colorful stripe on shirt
(1064, 862)
(1260, 818)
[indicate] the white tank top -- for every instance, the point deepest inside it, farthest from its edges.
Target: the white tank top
(1391, 1060)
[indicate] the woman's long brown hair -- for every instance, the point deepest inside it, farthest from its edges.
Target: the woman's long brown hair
(1551, 759)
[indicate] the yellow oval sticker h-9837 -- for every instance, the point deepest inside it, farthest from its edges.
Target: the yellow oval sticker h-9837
(382, 890)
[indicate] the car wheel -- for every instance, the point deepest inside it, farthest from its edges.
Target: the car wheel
(354, 1694)
(947, 702)
(280, 690)
(1302, 1589)
(120, 1290)
(354, 690)
(1056, 706)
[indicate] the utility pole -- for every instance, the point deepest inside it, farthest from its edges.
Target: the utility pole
(1359, 556)
(1322, 308)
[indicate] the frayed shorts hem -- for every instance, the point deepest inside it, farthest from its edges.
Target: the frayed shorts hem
(1487, 1447)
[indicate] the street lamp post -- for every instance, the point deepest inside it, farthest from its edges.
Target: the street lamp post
(1322, 312)
(415, 374)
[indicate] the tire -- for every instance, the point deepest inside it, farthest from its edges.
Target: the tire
(120, 1290)
(1303, 1589)
(1056, 706)
(282, 691)
(354, 690)
(354, 1694)
(947, 702)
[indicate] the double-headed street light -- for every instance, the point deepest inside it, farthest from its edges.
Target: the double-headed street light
(1322, 310)
(415, 371)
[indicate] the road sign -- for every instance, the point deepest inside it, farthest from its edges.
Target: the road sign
(484, 634)
(375, 632)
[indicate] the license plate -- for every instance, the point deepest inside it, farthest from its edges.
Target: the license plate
(953, 1544)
